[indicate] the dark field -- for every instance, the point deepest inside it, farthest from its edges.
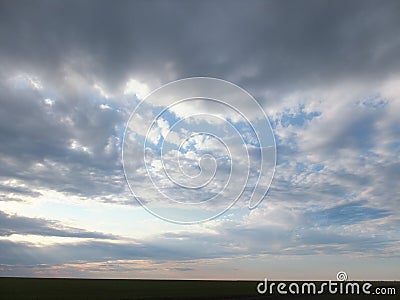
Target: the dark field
(87, 289)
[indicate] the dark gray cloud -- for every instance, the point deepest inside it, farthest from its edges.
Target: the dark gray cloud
(13, 224)
(91, 251)
(262, 45)
(259, 44)
(18, 190)
(38, 139)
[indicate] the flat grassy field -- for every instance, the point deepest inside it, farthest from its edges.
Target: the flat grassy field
(99, 289)
(77, 289)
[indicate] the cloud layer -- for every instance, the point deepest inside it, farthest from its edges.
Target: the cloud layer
(326, 73)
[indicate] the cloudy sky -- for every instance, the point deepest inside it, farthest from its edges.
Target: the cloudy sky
(327, 75)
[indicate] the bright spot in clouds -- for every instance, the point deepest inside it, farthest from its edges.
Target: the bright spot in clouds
(135, 87)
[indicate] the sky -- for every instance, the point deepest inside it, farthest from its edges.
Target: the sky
(76, 75)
